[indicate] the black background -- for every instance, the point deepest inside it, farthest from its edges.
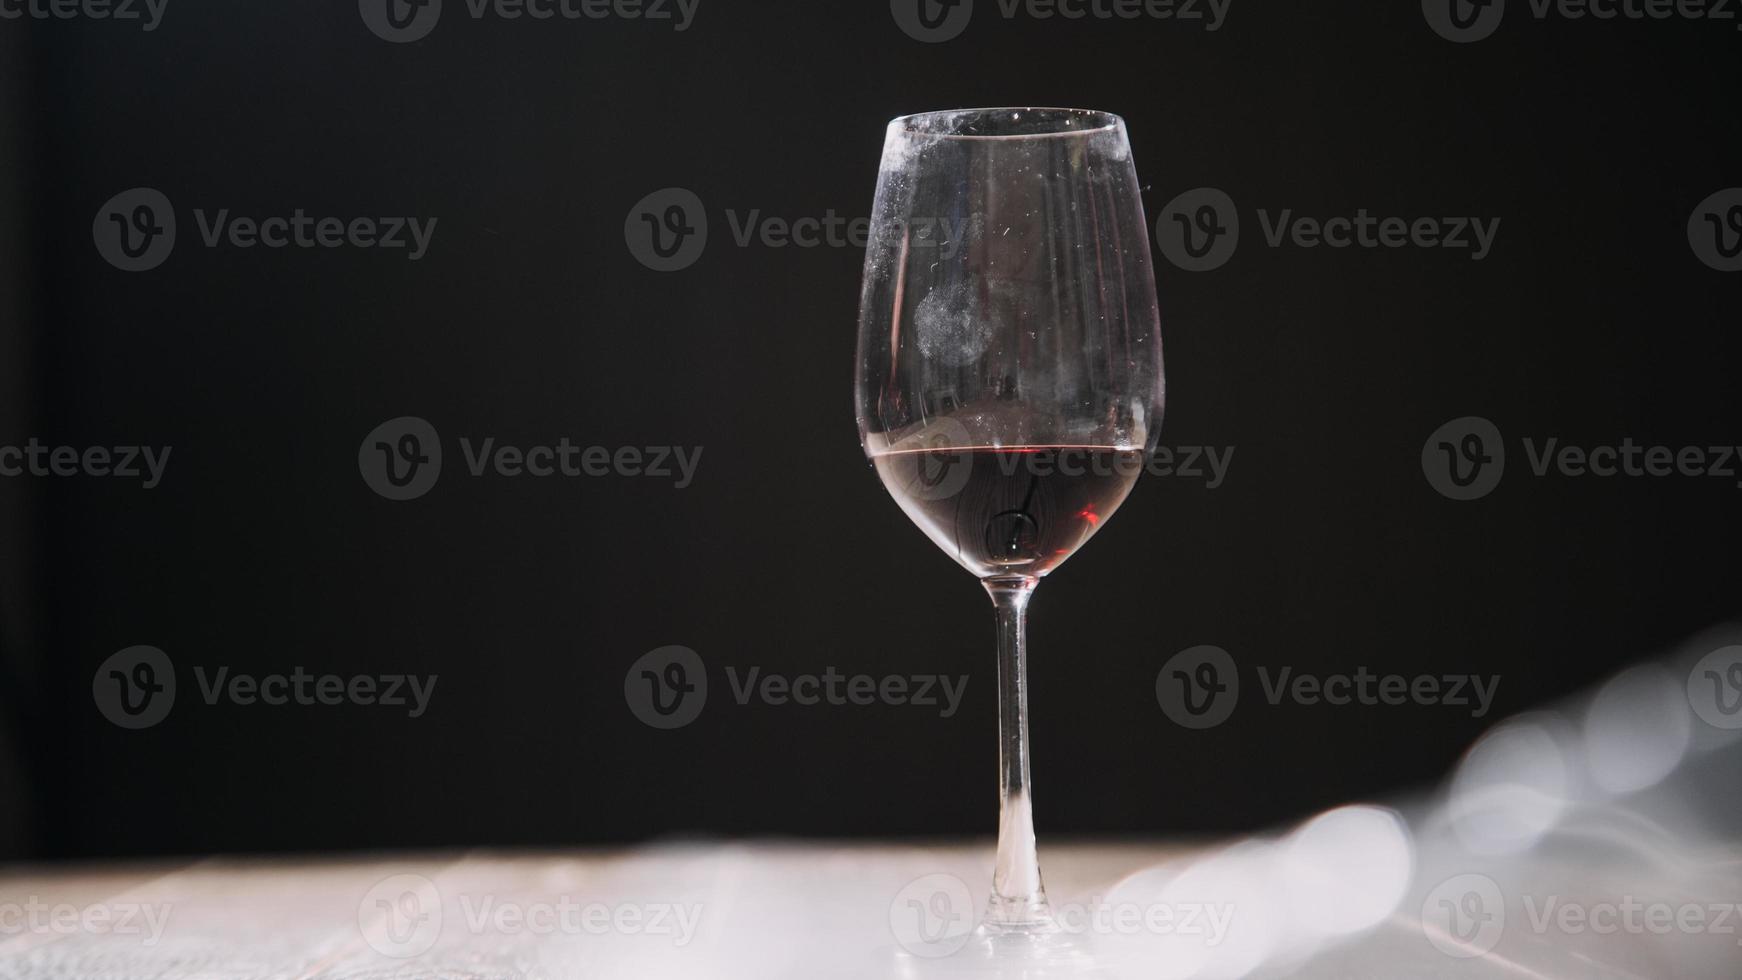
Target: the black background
(529, 320)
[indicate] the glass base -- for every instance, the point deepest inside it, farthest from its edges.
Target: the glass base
(1028, 951)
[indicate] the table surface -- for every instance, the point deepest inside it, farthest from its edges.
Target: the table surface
(682, 909)
(698, 909)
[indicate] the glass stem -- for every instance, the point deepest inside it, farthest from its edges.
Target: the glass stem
(1018, 900)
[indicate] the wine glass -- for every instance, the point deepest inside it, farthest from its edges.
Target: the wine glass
(1009, 379)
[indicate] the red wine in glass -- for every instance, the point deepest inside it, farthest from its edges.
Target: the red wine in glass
(1015, 511)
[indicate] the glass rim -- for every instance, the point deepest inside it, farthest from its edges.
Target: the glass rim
(1053, 121)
